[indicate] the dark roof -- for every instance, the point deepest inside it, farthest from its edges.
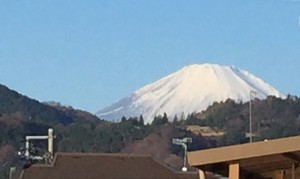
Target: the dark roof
(96, 166)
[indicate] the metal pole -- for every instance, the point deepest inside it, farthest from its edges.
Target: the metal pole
(250, 119)
(185, 149)
(12, 170)
(50, 142)
(250, 115)
(27, 145)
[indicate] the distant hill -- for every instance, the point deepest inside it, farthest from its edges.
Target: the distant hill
(20, 107)
(69, 111)
(191, 89)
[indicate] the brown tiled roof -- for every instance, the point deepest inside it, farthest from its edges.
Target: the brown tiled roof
(102, 166)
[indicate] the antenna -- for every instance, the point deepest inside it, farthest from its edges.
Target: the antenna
(28, 155)
(183, 142)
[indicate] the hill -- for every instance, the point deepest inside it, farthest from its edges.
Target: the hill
(14, 106)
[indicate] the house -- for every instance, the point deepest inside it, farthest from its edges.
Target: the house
(269, 159)
(103, 166)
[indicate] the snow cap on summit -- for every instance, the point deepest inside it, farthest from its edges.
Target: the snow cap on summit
(190, 89)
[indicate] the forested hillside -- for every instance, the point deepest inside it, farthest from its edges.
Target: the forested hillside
(271, 118)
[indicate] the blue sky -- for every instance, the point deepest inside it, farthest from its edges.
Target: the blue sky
(88, 54)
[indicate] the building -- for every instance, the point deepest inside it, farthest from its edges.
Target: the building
(104, 166)
(270, 159)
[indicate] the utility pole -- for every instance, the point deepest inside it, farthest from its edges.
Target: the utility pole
(250, 116)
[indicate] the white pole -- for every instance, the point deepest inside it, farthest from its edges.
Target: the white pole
(185, 149)
(50, 142)
(184, 168)
(27, 149)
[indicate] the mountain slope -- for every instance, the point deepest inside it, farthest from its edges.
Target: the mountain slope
(16, 108)
(28, 110)
(191, 89)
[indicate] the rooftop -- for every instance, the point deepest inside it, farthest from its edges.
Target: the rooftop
(98, 165)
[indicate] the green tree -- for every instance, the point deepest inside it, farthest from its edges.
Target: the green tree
(141, 120)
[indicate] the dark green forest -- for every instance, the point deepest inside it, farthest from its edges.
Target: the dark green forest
(79, 131)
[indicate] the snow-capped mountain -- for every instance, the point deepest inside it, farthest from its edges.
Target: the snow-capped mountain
(191, 89)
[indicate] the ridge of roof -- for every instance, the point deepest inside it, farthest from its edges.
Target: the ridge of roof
(52, 164)
(102, 154)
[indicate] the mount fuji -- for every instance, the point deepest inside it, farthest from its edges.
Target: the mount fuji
(191, 89)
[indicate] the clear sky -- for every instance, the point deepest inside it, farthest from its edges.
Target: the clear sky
(90, 53)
